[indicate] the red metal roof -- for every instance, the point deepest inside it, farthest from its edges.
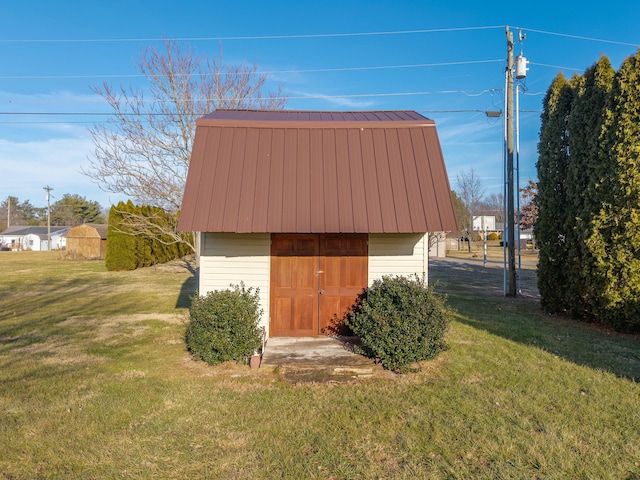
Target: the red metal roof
(316, 172)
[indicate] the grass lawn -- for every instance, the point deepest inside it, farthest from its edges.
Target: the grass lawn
(95, 382)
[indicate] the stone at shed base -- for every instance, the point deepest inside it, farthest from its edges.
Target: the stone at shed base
(254, 361)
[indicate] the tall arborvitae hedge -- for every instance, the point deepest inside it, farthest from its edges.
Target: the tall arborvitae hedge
(589, 196)
(128, 249)
(615, 234)
(121, 246)
(551, 228)
(585, 124)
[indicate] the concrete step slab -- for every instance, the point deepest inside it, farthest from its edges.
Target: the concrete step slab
(316, 359)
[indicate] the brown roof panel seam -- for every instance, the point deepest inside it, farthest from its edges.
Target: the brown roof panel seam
(418, 145)
(330, 178)
(263, 173)
(207, 213)
(356, 174)
(408, 162)
(303, 183)
(371, 188)
(390, 224)
(231, 216)
(344, 162)
(274, 215)
(432, 178)
(248, 180)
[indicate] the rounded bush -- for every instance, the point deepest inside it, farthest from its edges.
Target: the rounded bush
(400, 321)
(493, 236)
(224, 325)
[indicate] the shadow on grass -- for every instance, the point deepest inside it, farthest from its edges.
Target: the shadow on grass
(190, 285)
(189, 288)
(476, 292)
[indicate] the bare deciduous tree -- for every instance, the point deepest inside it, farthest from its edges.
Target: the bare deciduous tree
(471, 192)
(145, 149)
(529, 208)
(494, 205)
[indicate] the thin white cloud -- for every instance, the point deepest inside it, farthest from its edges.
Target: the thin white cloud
(29, 166)
(45, 116)
(319, 101)
(47, 101)
(477, 130)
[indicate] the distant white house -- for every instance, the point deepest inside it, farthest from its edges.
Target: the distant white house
(484, 222)
(22, 237)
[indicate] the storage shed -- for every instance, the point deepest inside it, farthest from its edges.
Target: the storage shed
(312, 207)
(87, 241)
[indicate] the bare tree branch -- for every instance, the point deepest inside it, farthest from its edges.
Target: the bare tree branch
(471, 192)
(529, 208)
(145, 149)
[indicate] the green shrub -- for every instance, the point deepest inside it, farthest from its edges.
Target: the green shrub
(224, 325)
(493, 236)
(399, 321)
(128, 249)
(121, 246)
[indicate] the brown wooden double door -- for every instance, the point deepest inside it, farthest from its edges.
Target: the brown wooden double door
(315, 279)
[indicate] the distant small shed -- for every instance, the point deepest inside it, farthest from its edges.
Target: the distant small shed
(87, 241)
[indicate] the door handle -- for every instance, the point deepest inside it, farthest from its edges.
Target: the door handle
(321, 292)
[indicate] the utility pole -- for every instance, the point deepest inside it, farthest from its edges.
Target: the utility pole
(9, 211)
(511, 290)
(48, 189)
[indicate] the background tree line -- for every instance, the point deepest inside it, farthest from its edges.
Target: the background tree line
(588, 200)
(70, 210)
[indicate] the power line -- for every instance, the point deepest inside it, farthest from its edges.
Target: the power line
(302, 97)
(309, 35)
(311, 70)
(252, 37)
(557, 66)
(51, 122)
(54, 122)
(580, 37)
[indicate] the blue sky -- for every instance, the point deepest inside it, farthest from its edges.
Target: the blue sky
(445, 60)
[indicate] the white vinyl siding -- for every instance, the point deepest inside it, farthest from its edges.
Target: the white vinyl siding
(231, 258)
(398, 254)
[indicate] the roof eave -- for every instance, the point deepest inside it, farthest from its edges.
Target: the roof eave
(215, 122)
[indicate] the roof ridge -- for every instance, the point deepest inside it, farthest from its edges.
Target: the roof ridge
(324, 116)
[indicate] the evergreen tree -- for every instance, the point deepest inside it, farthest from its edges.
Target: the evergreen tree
(614, 239)
(144, 243)
(585, 125)
(551, 227)
(72, 210)
(121, 245)
(13, 212)
(128, 249)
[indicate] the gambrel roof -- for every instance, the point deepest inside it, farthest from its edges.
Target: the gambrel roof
(317, 172)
